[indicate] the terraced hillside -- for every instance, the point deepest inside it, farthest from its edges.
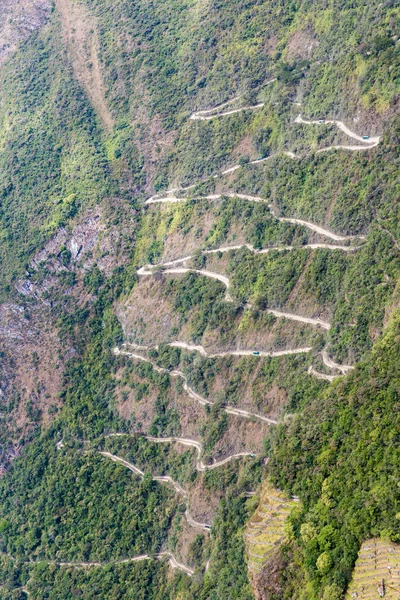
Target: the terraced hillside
(377, 571)
(199, 247)
(266, 531)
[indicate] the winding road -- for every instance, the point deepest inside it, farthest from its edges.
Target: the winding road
(228, 297)
(161, 479)
(206, 111)
(203, 116)
(268, 354)
(322, 376)
(203, 401)
(340, 147)
(331, 364)
(293, 317)
(367, 143)
(200, 466)
(183, 270)
(213, 113)
(227, 171)
(148, 270)
(317, 228)
(251, 248)
(327, 360)
(308, 224)
(201, 350)
(208, 114)
(175, 564)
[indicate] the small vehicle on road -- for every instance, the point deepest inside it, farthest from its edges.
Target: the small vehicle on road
(256, 353)
(365, 137)
(320, 121)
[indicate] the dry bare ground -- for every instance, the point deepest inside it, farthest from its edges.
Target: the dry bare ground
(79, 30)
(18, 19)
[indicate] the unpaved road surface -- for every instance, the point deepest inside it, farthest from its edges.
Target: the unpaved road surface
(263, 353)
(227, 171)
(228, 297)
(223, 249)
(327, 360)
(308, 224)
(318, 375)
(200, 466)
(341, 147)
(85, 565)
(370, 142)
(212, 113)
(203, 401)
(183, 271)
(204, 117)
(161, 479)
(293, 317)
(331, 364)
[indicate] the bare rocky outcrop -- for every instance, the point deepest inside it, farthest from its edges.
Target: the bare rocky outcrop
(90, 243)
(32, 356)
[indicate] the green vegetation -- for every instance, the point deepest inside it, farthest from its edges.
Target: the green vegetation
(355, 288)
(190, 219)
(50, 150)
(84, 488)
(227, 576)
(341, 455)
(126, 581)
(266, 530)
(284, 375)
(336, 446)
(160, 458)
(379, 558)
(271, 278)
(147, 579)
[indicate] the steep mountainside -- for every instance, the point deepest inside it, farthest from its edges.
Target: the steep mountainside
(199, 318)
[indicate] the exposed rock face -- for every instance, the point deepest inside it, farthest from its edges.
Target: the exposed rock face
(32, 356)
(18, 19)
(80, 243)
(84, 237)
